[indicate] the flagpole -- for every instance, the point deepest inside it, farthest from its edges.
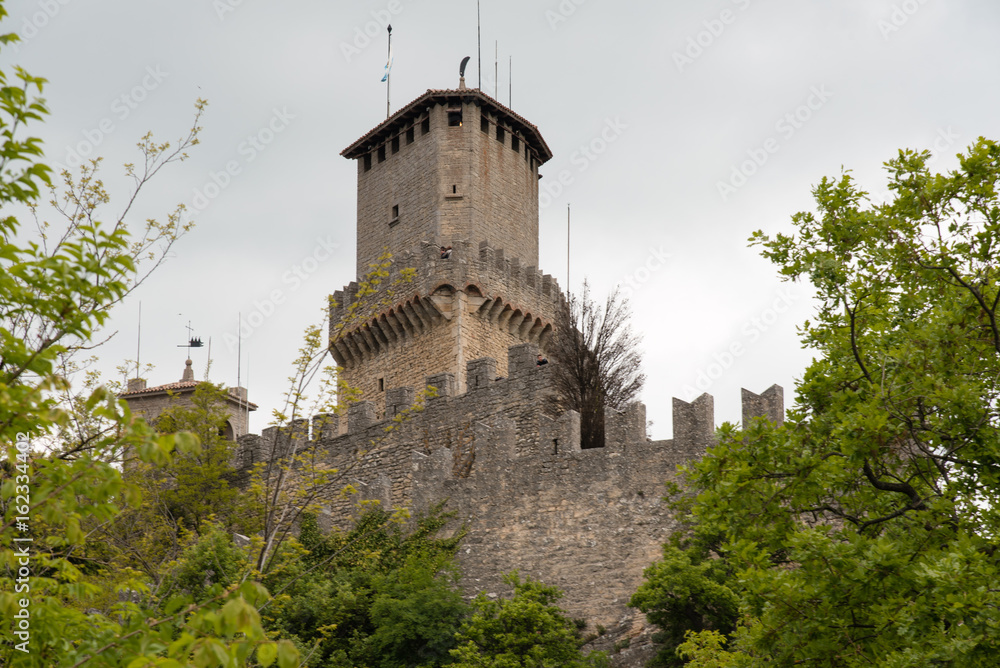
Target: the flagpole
(388, 72)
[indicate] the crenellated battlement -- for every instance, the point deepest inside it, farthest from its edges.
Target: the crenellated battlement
(587, 520)
(430, 315)
(521, 396)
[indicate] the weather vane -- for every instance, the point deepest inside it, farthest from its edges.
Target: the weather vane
(193, 341)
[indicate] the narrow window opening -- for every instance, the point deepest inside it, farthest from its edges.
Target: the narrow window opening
(367, 160)
(455, 117)
(395, 144)
(515, 143)
(409, 135)
(484, 124)
(500, 134)
(425, 125)
(454, 189)
(395, 211)
(381, 384)
(381, 153)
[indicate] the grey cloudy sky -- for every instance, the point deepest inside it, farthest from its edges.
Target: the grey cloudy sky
(678, 129)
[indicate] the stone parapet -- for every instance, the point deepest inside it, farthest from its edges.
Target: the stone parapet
(588, 521)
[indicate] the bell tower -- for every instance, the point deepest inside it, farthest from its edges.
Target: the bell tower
(453, 168)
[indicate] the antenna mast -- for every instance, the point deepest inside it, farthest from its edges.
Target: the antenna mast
(138, 345)
(479, 40)
(239, 346)
(567, 248)
(246, 399)
(496, 69)
(510, 80)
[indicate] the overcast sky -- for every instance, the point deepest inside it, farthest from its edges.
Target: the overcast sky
(678, 128)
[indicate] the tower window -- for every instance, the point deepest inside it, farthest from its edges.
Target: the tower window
(395, 144)
(381, 153)
(381, 384)
(484, 124)
(395, 211)
(409, 135)
(425, 125)
(454, 117)
(454, 189)
(367, 161)
(500, 134)
(515, 143)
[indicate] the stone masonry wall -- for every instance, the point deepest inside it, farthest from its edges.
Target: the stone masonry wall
(449, 184)
(495, 196)
(588, 521)
(477, 303)
(404, 180)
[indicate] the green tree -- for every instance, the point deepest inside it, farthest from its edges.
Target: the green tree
(865, 531)
(525, 631)
(198, 484)
(687, 591)
(55, 293)
(379, 595)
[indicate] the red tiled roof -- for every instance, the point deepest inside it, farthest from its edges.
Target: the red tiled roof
(182, 386)
(387, 127)
(179, 385)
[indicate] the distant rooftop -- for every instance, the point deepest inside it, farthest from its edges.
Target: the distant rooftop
(187, 383)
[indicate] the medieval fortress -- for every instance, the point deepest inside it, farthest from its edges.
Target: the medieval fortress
(455, 168)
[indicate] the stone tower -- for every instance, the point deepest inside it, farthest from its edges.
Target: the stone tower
(149, 402)
(453, 168)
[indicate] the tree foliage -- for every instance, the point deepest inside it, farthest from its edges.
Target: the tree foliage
(526, 630)
(197, 485)
(687, 591)
(865, 532)
(379, 595)
(56, 290)
(598, 362)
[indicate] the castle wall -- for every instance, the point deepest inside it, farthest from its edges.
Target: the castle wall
(428, 353)
(588, 521)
